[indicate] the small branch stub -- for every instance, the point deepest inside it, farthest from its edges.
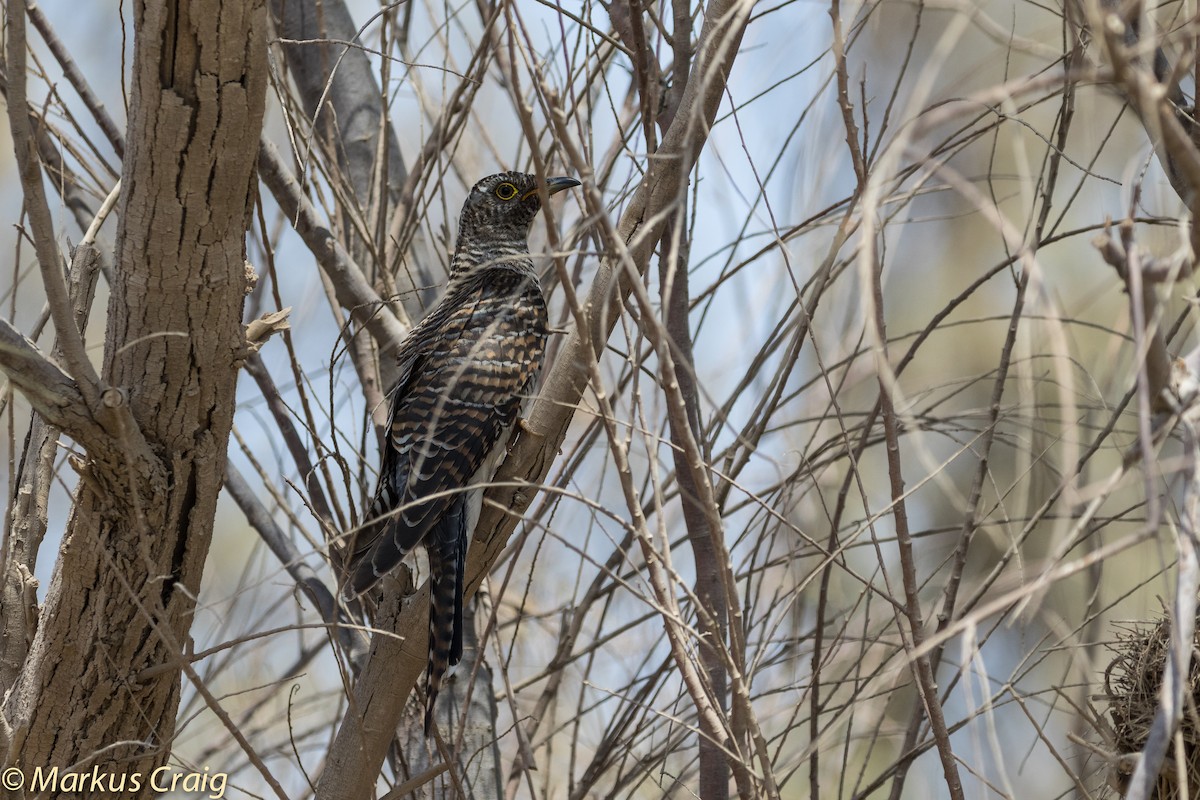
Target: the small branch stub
(113, 397)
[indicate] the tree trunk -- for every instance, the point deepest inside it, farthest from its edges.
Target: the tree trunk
(129, 570)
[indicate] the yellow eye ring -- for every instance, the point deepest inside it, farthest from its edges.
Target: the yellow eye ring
(506, 191)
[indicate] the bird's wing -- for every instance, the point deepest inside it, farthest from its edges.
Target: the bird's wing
(410, 359)
(479, 354)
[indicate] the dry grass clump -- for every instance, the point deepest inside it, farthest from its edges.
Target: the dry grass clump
(1133, 685)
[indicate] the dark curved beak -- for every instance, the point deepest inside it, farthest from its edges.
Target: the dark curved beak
(553, 186)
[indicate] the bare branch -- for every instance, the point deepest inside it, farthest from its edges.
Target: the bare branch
(353, 290)
(50, 391)
(340, 93)
(49, 258)
(351, 638)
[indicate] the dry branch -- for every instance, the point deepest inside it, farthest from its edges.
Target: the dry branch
(50, 390)
(49, 259)
(353, 290)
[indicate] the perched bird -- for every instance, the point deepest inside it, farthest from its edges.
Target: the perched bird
(465, 370)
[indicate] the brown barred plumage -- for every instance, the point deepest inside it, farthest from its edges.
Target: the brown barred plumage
(465, 371)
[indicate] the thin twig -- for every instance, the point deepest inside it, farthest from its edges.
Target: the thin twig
(353, 290)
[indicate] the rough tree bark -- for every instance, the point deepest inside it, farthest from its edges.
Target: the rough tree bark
(156, 425)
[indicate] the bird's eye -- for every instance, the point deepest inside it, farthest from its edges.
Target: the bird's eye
(506, 191)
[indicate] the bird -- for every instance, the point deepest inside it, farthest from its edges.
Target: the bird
(465, 370)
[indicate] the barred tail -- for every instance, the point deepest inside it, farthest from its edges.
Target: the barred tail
(447, 560)
(445, 631)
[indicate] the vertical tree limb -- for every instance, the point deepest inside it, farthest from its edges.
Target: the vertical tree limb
(143, 513)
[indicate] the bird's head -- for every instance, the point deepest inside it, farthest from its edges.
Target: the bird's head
(496, 217)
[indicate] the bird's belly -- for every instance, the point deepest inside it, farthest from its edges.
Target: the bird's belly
(482, 476)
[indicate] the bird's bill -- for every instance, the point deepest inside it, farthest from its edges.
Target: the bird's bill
(553, 185)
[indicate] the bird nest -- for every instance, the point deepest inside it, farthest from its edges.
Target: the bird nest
(1132, 685)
